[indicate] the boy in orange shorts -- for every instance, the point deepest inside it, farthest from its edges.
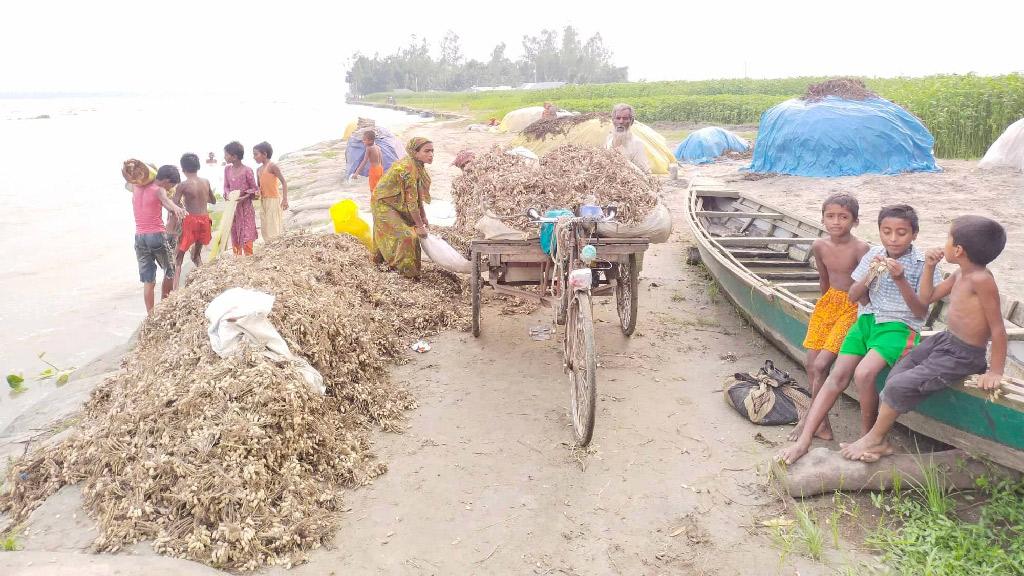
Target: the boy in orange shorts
(836, 257)
(374, 157)
(195, 228)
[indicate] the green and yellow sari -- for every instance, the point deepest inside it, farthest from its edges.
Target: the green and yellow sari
(400, 192)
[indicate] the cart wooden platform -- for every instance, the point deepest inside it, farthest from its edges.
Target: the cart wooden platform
(508, 266)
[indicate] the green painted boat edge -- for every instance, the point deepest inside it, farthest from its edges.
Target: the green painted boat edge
(957, 416)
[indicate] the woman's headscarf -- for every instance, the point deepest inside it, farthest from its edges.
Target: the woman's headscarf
(416, 168)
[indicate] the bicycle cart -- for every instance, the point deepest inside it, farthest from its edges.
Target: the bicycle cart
(580, 267)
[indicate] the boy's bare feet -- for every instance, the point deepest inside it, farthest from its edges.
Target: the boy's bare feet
(866, 450)
(795, 434)
(793, 453)
(824, 431)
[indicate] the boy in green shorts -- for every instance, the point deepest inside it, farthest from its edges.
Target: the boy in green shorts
(889, 319)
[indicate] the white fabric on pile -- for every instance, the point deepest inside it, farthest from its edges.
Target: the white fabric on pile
(238, 315)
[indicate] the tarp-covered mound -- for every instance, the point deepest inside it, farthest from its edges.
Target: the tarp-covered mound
(1007, 150)
(593, 130)
(390, 149)
(840, 137)
(707, 144)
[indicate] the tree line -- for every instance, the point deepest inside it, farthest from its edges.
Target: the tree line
(547, 57)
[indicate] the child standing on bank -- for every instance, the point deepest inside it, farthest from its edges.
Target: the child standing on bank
(973, 319)
(374, 157)
(272, 203)
(836, 258)
(889, 319)
(151, 242)
(196, 227)
(240, 184)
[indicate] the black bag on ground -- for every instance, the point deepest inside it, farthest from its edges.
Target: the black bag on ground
(769, 398)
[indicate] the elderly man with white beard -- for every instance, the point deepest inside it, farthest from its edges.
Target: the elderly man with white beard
(623, 140)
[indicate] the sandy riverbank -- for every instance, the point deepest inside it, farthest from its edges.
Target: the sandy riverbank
(484, 479)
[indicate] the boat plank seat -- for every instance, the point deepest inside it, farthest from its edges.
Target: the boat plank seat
(759, 241)
(729, 214)
(719, 193)
(774, 263)
(800, 286)
(773, 254)
(787, 275)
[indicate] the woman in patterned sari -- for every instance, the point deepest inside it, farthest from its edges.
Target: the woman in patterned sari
(397, 205)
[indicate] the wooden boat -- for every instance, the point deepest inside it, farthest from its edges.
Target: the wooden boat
(760, 255)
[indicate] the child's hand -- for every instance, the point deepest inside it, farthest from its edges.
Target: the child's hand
(934, 256)
(895, 268)
(180, 213)
(990, 381)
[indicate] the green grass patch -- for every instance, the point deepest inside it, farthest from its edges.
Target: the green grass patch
(9, 540)
(923, 532)
(331, 154)
(965, 113)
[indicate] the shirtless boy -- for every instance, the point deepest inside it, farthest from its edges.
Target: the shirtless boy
(836, 257)
(374, 157)
(195, 229)
(972, 321)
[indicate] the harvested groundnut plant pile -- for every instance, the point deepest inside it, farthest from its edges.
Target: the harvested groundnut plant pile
(507, 185)
(236, 462)
(848, 88)
(560, 126)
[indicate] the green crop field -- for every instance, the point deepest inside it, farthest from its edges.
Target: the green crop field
(964, 113)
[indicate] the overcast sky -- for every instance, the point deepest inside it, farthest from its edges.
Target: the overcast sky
(302, 47)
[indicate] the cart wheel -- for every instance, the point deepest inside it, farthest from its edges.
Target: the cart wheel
(474, 287)
(581, 361)
(562, 302)
(627, 294)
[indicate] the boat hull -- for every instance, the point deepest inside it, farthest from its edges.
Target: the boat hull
(959, 416)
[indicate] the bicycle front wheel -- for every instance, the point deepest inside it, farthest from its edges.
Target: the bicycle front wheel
(581, 362)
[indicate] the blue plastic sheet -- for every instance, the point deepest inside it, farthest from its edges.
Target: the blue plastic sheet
(390, 149)
(707, 144)
(839, 137)
(547, 229)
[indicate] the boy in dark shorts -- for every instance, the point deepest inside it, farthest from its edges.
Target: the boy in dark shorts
(151, 243)
(890, 316)
(973, 319)
(196, 227)
(835, 257)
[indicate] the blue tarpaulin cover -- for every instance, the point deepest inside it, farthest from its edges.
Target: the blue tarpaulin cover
(390, 149)
(707, 144)
(840, 137)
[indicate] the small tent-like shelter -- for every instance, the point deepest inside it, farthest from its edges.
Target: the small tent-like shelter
(1007, 150)
(391, 150)
(707, 144)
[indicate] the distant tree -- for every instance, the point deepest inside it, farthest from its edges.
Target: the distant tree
(500, 70)
(547, 57)
(451, 62)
